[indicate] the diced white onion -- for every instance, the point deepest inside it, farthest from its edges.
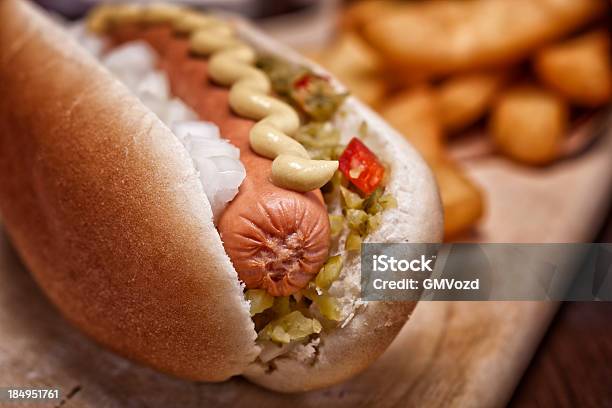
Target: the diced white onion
(196, 128)
(221, 174)
(177, 111)
(154, 84)
(227, 164)
(92, 43)
(134, 59)
(216, 160)
(211, 147)
(206, 168)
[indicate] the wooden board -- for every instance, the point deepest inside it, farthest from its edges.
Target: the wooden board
(450, 353)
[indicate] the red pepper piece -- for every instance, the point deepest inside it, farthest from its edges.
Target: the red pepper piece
(302, 82)
(361, 167)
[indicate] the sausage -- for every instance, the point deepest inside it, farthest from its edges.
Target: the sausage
(277, 239)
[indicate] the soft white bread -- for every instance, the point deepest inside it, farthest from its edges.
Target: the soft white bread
(104, 206)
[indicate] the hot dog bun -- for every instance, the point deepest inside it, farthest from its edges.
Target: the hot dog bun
(104, 206)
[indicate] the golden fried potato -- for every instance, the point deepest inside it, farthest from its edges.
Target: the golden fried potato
(368, 88)
(413, 113)
(579, 68)
(349, 53)
(360, 12)
(447, 36)
(529, 124)
(462, 200)
(399, 78)
(463, 99)
(356, 65)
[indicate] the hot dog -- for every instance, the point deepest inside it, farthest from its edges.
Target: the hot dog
(277, 239)
(141, 210)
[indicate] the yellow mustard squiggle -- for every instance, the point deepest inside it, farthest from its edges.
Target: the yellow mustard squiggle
(231, 64)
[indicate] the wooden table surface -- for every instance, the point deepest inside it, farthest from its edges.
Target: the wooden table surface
(573, 364)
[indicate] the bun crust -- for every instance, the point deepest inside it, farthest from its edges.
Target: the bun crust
(104, 206)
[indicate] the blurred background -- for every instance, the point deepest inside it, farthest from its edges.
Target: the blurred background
(509, 103)
(464, 81)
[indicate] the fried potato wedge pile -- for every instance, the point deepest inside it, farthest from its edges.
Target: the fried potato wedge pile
(519, 74)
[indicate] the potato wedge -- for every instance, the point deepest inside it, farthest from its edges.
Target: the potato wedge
(414, 114)
(360, 13)
(579, 69)
(462, 200)
(464, 99)
(447, 36)
(356, 65)
(529, 124)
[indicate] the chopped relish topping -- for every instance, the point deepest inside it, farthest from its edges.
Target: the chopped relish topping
(328, 306)
(321, 140)
(358, 186)
(315, 96)
(336, 223)
(353, 242)
(351, 199)
(311, 93)
(363, 215)
(329, 273)
(292, 326)
(259, 300)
